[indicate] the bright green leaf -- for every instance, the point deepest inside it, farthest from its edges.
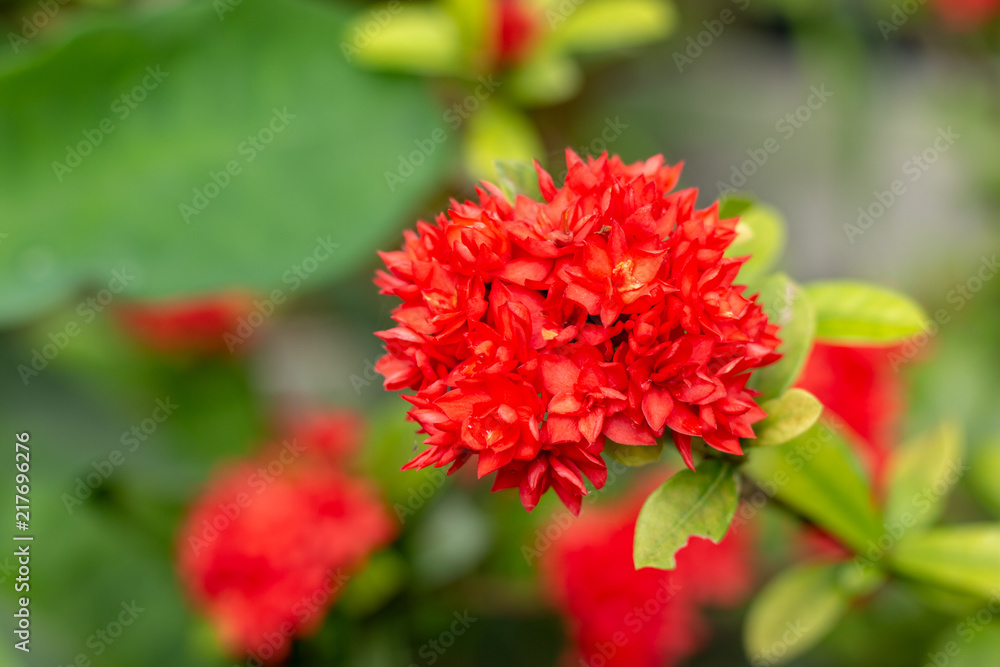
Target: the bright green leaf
(787, 417)
(517, 178)
(498, 132)
(421, 39)
(985, 471)
(760, 234)
(474, 19)
(600, 25)
(787, 305)
(544, 80)
(852, 312)
(965, 558)
(922, 474)
(818, 476)
(796, 610)
(227, 92)
(634, 455)
(968, 649)
(701, 503)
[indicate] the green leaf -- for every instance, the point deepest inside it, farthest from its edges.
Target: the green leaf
(984, 475)
(600, 25)
(787, 417)
(787, 305)
(701, 503)
(818, 476)
(965, 558)
(853, 312)
(972, 649)
(544, 80)
(922, 474)
(760, 234)
(322, 176)
(422, 39)
(518, 178)
(498, 132)
(475, 22)
(735, 204)
(634, 455)
(796, 610)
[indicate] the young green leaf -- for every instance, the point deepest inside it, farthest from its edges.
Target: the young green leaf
(545, 80)
(735, 204)
(418, 39)
(600, 25)
(634, 455)
(517, 178)
(787, 417)
(691, 502)
(498, 131)
(794, 612)
(852, 312)
(965, 558)
(786, 304)
(922, 474)
(818, 476)
(760, 234)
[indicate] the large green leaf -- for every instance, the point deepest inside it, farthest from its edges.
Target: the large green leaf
(794, 612)
(853, 312)
(818, 476)
(923, 472)
(359, 154)
(787, 417)
(965, 558)
(700, 503)
(786, 304)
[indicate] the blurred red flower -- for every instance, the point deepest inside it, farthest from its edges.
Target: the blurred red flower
(185, 325)
(967, 14)
(516, 28)
(647, 618)
(860, 386)
(532, 330)
(270, 543)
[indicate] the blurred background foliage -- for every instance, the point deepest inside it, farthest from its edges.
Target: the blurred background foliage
(235, 66)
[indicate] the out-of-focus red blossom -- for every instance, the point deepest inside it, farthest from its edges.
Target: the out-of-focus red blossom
(185, 325)
(516, 28)
(647, 618)
(264, 552)
(967, 14)
(860, 386)
(533, 330)
(333, 436)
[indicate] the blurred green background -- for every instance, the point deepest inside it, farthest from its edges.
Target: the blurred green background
(175, 149)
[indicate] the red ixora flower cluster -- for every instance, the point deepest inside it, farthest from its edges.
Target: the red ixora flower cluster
(532, 330)
(269, 545)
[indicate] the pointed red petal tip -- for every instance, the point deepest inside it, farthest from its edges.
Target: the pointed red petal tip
(532, 330)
